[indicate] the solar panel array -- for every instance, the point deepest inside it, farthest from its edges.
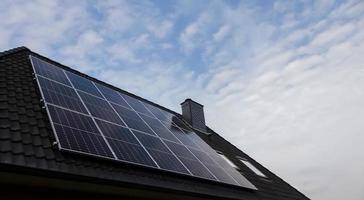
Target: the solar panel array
(95, 119)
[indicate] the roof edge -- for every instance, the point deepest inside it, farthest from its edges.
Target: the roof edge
(14, 50)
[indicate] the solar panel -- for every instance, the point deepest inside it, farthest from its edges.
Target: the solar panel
(100, 108)
(77, 132)
(95, 119)
(83, 84)
(61, 95)
(50, 71)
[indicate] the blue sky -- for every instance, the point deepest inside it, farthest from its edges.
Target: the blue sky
(282, 80)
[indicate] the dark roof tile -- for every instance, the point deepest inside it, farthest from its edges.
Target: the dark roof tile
(15, 126)
(18, 159)
(30, 161)
(4, 133)
(3, 105)
(28, 150)
(26, 138)
(17, 148)
(49, 154)
(16, 136)
(46, 143)
(4, 123)
(37, 140)
(5, 145)
(38, 151)
(43, 164)
(4, 114)
(6, 157)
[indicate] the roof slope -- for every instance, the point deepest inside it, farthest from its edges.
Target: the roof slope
(26, 141)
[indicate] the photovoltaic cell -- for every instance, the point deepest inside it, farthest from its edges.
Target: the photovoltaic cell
(131, 152)
(136, 104)
(159, 129)
(100, 108)
(72, 119)
(83, 84)
(221, 175)
(132, 119)
(82, 141)
(77, 132)
(157, 150)
(158, 113)
(180, 150)
(180, 123)
(117, 132)
(168, 161)
(112, 95)
(50, 71)
(151, 142)
(182, 136)
(197, 169)
(61, 95)
(95, 119)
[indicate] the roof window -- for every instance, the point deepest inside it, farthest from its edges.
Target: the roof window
(252, 167)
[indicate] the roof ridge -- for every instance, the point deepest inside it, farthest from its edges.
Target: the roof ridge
(13, 50)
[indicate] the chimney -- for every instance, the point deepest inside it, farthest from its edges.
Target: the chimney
(192, 112)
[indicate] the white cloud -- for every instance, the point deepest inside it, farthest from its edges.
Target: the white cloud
(288, 91)
(189, 37)
(160, 30)
(221, 33)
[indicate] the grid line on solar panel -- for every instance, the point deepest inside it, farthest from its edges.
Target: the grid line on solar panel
(161, 122)
(183, 137)
(210, 156)
(60, 94)
(132, 119)
(183, 153)
(180, 150)
(159, 128)
(229, 169)
(83, 84)
(155, 144)
(151, 142)
(135, 104)
(48, 70)
(158, 113)
(137, 141)
(82, 141)
(221, 175)
(190, 160)
(213, 166)
(131, 152)
(178, 122)
(197, 169)
(156, 159)
(93, 119)
(116, 132)
(191, 172)
(100, 108)
(72, 119)
(168, 161)
(112, 95)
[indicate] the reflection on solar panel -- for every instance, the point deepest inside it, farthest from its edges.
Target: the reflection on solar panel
(95, 119)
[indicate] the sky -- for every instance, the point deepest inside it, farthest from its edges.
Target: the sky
(282, 80)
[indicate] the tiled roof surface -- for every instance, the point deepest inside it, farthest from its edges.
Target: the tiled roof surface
(26, 140)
